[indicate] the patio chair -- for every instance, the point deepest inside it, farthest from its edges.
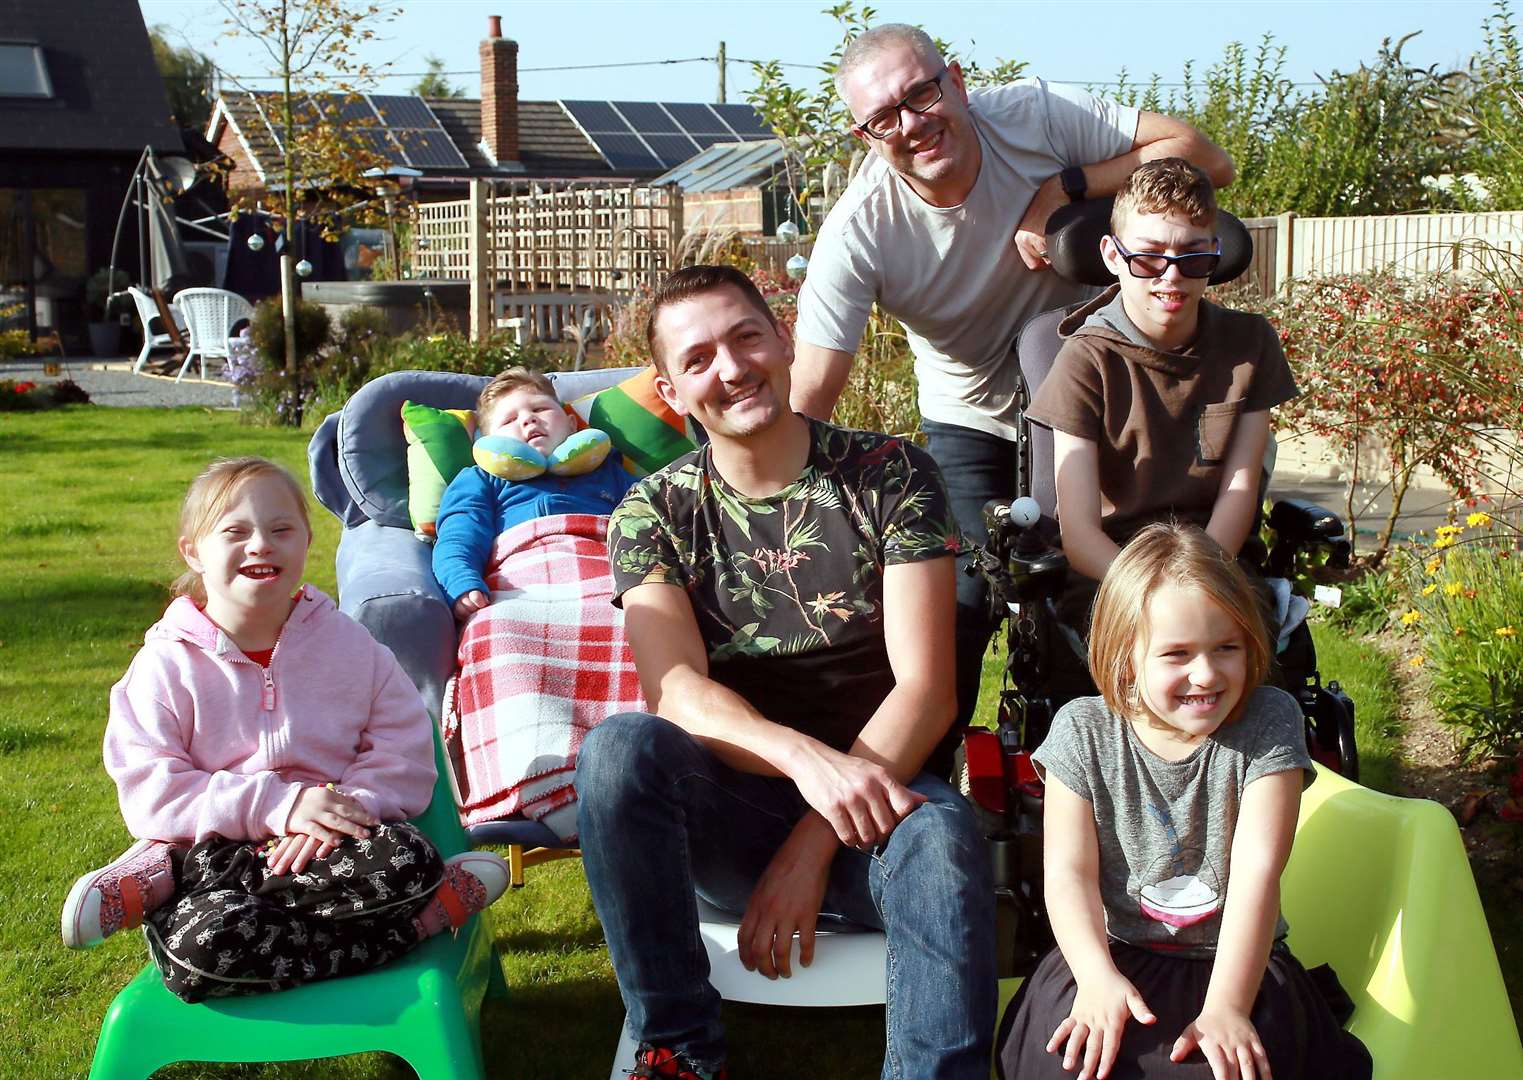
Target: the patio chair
(425, 1007)
(211, 316)
(157, 330)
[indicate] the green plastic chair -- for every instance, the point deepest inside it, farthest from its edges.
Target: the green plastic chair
(1381, 889)
(425, 1008)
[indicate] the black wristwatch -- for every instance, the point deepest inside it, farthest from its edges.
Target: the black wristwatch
(1074, 185)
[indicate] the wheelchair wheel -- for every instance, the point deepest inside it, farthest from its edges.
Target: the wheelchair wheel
(1330, 728)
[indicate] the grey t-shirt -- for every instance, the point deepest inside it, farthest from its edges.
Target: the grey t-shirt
(952, 276)
(1166, 827)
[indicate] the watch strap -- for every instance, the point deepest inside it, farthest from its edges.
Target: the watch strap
(1073, 182)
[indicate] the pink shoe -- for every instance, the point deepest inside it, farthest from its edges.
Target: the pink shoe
(473, 880)
(118, 895)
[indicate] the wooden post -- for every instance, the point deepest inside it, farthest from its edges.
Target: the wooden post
(721, 73)
(1284, 243)
(479, 263)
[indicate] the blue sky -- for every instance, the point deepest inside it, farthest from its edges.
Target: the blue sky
(1143, 37)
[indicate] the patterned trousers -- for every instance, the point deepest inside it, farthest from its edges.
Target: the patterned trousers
(232, 927)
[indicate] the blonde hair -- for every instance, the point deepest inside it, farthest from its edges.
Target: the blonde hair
(507, 381)
(1162, 186)
(208, 499)
(1164, 554)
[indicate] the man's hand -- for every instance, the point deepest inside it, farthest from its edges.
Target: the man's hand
(1031, 233)
(469, 604)
(787, 899)
(859, 799)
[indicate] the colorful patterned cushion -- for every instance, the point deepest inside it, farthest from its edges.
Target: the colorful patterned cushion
(438, 447)
(643, 428)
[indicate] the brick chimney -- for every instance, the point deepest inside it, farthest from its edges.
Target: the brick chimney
(499, 93)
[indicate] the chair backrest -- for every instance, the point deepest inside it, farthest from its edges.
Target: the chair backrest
(210, 316)
(358, 456)
(1073, 246)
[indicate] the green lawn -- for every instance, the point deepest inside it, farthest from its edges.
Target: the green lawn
(87, 528)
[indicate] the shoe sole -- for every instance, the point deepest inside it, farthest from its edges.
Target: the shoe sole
(76, 900)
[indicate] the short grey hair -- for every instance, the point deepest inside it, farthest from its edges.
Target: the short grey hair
(879, 39)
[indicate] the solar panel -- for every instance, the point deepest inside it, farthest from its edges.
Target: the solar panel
(373, 141)
(672, 149)
(596, 116)
(744, 120)
(428, 149)
(697, 119)
(350, 109)
(624, 151)
(404, 112)
(647, 117)
(706, 141)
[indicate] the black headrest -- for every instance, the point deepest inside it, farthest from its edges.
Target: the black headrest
(1073, 243)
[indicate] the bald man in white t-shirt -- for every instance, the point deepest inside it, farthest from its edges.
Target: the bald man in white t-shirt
(943, 228)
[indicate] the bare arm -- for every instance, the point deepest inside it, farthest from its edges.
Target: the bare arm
(1105, 999)
(858, 797)
(1237, 500)
(1157, 136)
(1077, 475)
(1223, 1031)
(819, 376)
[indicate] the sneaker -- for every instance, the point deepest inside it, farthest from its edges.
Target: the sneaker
(118, 895)
(473, 880)
(658, 1061)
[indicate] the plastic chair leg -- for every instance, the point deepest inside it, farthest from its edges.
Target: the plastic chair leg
(624, 1056)
(188, 358)
(449, 1049)
(142, 357)
(497, 983)
(516, 865)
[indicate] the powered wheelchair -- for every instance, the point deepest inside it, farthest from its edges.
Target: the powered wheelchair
(1026, 572)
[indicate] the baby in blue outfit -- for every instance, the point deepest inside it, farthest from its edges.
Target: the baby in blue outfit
(479, 506)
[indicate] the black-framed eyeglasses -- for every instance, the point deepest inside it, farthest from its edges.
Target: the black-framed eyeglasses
(884, 122)
(1148, 264)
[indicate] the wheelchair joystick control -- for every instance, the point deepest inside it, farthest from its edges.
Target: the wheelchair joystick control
(1024, 512)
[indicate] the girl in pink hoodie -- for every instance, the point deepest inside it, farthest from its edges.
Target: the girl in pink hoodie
(267, 754)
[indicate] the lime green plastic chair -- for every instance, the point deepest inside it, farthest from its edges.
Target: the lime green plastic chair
(425, 1007)
(1380, 888)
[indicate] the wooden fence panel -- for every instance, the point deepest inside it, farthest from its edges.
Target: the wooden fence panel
(1406, 243)
(1264, 233)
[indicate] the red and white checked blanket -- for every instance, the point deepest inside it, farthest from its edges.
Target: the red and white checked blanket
(537, 668)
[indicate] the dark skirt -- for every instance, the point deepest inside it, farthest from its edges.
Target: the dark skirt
(1292, 1014)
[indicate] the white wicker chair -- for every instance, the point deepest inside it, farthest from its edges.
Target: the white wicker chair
(210, 315)
(148, 312)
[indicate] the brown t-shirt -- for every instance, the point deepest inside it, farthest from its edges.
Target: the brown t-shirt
(1163, 422)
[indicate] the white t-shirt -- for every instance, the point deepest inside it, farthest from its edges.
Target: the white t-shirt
(953, 276)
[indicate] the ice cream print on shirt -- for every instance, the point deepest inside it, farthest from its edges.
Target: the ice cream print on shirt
(1182, 888)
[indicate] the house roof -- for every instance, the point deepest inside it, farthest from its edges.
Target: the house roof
(107, 94)
(724, 166)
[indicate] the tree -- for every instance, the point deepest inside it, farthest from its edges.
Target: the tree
(433, 84)
(312, 46)
(1491, 112)
(187, 76)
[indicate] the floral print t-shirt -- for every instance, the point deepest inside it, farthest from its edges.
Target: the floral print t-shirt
(788, 589)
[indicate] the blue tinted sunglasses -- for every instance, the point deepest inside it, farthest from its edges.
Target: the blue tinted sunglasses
(1148, 264)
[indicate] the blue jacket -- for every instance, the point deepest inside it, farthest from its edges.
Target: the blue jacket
(478, 507)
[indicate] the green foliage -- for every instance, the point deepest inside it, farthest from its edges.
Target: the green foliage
(32, 397)
(1491, 117)
(434, 83)
(1468, 614)
(16, 343)
(1419, 371)
(1369, 603)
(187, 76)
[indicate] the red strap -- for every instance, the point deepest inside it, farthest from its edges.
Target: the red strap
(132, 902)
(454, 907)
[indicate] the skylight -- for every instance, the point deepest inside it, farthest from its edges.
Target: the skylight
(23, 71)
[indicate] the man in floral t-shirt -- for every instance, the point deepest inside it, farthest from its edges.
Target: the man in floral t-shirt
(788, 592)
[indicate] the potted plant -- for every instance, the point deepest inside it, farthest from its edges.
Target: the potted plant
(107, 305)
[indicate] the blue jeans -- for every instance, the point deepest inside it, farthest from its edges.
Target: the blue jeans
(661, 818)
(976, 467)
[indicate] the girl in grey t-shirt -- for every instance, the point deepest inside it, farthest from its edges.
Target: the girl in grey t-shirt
(1160, 970)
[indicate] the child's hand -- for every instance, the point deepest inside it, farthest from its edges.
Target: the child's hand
(328, 815)
(470, 603)
(1229, 1042)
(1093, 1029)
(291, 854)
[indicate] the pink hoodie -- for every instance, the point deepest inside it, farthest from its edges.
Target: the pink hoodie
(204, 741)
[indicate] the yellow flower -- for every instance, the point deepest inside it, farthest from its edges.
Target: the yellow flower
(1506, 631)
(1459, 631)
(1448, 532)
(1480, 517)
(1433, 565)
(1411, 617)
(1417, 661)
(1452, 588)
(1443, 542)
(1430, 588)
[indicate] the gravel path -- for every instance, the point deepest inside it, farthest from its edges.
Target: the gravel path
(116, 385)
